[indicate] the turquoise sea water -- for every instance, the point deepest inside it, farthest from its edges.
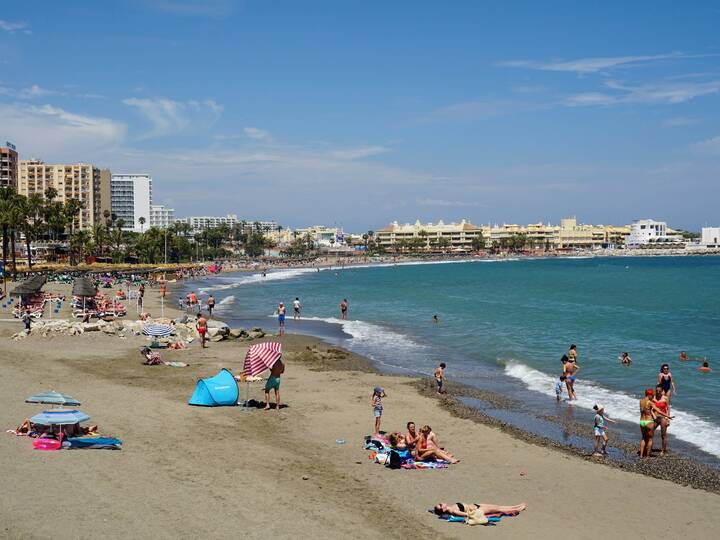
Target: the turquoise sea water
(508, 322)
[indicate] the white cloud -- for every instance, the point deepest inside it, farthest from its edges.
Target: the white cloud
(169, 117)
(13, 27)
(54, 133)
(668, 93)
(357, 153)
(709, 146)
(258, 134)
(30, 92)
(587, 65)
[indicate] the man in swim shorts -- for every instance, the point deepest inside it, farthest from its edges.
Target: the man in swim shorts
(202, 330)
(281, 318)
(273, 383)
(296, 308)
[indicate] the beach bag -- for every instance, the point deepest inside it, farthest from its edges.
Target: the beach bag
(394, 461)
(476, 517)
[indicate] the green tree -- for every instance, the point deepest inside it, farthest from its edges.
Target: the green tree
(478, 242)
(142, 222)
(32, 225)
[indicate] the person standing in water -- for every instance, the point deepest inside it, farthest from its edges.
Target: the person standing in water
(665, 380)
(210, 305)
(343, 309)
(660, 402)
(281, 318)
(440, 378)
(570, 370)
(297, 306)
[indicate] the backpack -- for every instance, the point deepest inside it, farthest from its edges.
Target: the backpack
(394, 461)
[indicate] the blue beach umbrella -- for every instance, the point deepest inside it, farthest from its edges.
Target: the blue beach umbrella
(59, 417)
(53, 398)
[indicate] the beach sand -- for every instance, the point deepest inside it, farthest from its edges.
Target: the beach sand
(190, 472)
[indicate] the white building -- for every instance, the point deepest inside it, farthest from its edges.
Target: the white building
(161, 216)
(130, 200)
(199, 223)
(710, 237)
(648, 232)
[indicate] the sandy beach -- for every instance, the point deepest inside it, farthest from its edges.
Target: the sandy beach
(188, 472)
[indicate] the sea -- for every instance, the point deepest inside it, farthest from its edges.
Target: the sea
(503, 326)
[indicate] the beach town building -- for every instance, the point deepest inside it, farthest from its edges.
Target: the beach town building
(81, 181)
(8, 165)
(452, 235)
(651, 233)
(161, 216)
(710, 237)
(321, 235)
(459, 236)
(200, 223)
(131, 197)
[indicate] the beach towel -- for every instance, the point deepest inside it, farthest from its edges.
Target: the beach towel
(81, 443)
(486, 519)
(425, 465)
(176, 364)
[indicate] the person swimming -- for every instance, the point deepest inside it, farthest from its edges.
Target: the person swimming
(705, 368)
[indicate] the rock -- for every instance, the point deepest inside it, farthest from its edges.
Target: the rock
(256, 329)
(91, 327)
(256, 335)
(110, 330)
(212, 332)
(237, 333)
(181, 320)
(217, 337)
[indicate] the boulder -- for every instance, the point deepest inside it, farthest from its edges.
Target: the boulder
(237, 333)
(217, 337)
(91, 327)
(253, 334)
(212, 332)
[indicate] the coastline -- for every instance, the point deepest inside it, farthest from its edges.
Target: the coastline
(192, 472)
(675, 467)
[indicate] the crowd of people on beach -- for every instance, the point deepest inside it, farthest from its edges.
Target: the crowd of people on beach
(654, 405)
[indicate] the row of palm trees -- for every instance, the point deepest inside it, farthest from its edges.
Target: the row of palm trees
(37, 216)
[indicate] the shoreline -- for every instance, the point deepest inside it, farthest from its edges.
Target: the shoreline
(186, 472)
(677, 468)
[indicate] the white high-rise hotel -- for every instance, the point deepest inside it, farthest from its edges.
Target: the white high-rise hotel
(131, 197)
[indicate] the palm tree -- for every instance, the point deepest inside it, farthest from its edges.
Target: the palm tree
(99, 234)
(6, 196)
(108, 218)
(142, 221)
(15, 217)
(32, 224)
(79, 241)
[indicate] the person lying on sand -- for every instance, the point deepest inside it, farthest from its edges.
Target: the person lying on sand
(397, 441)
(462, 509)
(425, 451)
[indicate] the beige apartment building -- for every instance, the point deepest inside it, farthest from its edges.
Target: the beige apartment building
(80, 181)
(567, 235)
(8, 166)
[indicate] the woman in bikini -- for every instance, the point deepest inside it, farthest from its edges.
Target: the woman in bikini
(462, 509)
(665, 381)
(571, 369)
(647, 424)
(425, 451)
(661, 406)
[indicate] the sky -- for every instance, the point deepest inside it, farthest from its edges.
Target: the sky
(356, 114)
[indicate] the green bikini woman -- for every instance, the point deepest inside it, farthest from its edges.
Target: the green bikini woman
(648, 413)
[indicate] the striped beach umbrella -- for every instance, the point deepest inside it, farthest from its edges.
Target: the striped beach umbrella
(157, 330)
(260, 357)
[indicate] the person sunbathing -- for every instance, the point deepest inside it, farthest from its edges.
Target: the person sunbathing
(425, 451)
(412, 435)
(397, 441)
(462, 509)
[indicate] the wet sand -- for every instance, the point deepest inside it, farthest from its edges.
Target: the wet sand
(187, 472)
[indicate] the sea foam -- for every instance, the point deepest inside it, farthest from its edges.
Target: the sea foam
(686, 426)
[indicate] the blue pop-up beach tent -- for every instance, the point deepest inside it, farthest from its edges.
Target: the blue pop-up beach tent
(222, 389)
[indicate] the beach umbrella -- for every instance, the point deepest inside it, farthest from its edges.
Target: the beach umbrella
(59, 417)
(53, 398)
(258, 358)
(157, 330)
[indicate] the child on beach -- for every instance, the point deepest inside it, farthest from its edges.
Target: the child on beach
(559, 388)
(376, 402)
(599, 430)
(440, 378)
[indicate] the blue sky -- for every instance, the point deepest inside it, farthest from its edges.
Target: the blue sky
(359, 113)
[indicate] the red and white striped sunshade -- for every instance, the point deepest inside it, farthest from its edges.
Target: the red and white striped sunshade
(261, 357)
